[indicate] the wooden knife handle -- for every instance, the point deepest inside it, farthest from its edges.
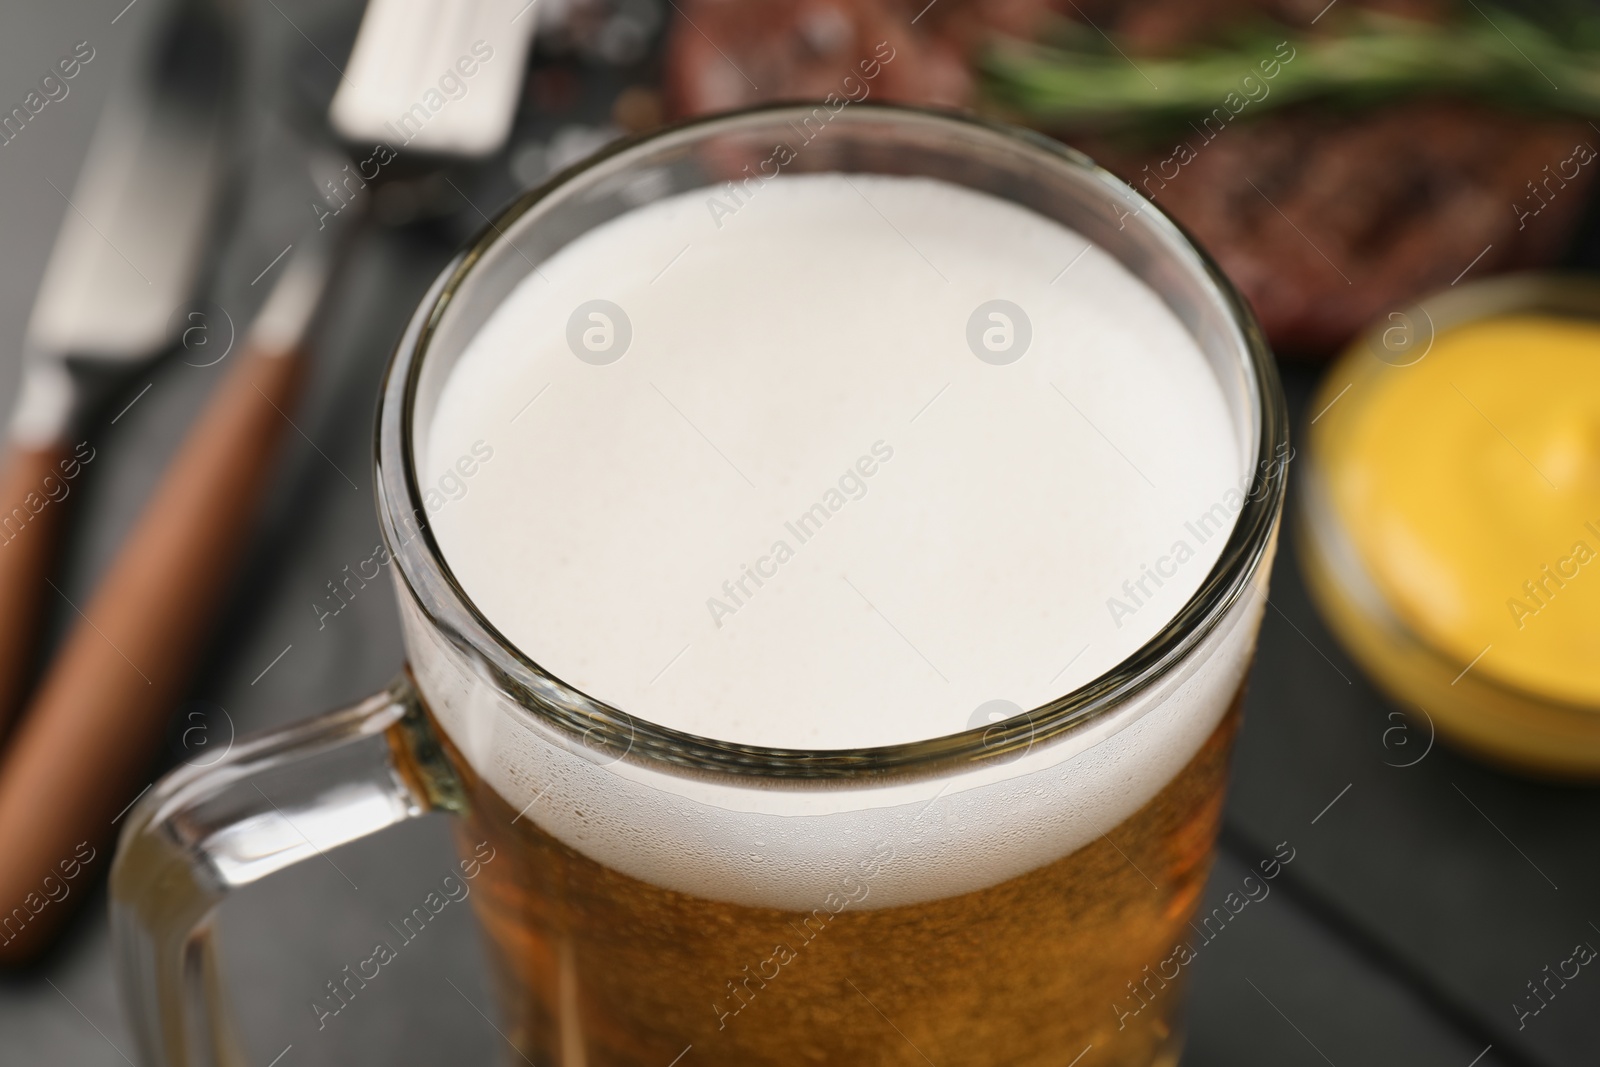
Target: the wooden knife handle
(34, 487)
(82, 751)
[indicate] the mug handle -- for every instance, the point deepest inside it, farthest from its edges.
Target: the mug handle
(282, 797)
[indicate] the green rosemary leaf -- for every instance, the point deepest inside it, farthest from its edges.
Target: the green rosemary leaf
(1487, 53)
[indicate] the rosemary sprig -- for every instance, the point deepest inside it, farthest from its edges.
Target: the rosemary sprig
(1495, 55)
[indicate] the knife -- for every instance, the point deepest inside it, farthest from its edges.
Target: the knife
(94, 723)
(124, 262)
(92, 727)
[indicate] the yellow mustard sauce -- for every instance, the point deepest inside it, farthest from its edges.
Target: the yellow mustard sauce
(1469, 484)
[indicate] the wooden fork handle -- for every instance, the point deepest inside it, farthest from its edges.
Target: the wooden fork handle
(82, 750)
(34, 486)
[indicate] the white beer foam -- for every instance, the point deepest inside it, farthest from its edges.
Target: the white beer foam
(979, 530)
(796, 848)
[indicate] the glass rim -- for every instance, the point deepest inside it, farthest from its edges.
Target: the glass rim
(447, 607)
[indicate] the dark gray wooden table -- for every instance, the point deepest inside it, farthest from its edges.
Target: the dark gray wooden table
(1420, 901)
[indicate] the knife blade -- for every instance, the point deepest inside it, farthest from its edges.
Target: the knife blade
(125, 259)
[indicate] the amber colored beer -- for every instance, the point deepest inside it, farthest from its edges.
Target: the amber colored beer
(599, 969)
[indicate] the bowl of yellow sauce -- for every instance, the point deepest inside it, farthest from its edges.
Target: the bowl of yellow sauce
(1450, 516)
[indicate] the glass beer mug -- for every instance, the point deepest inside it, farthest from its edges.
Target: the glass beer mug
(987, 895)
